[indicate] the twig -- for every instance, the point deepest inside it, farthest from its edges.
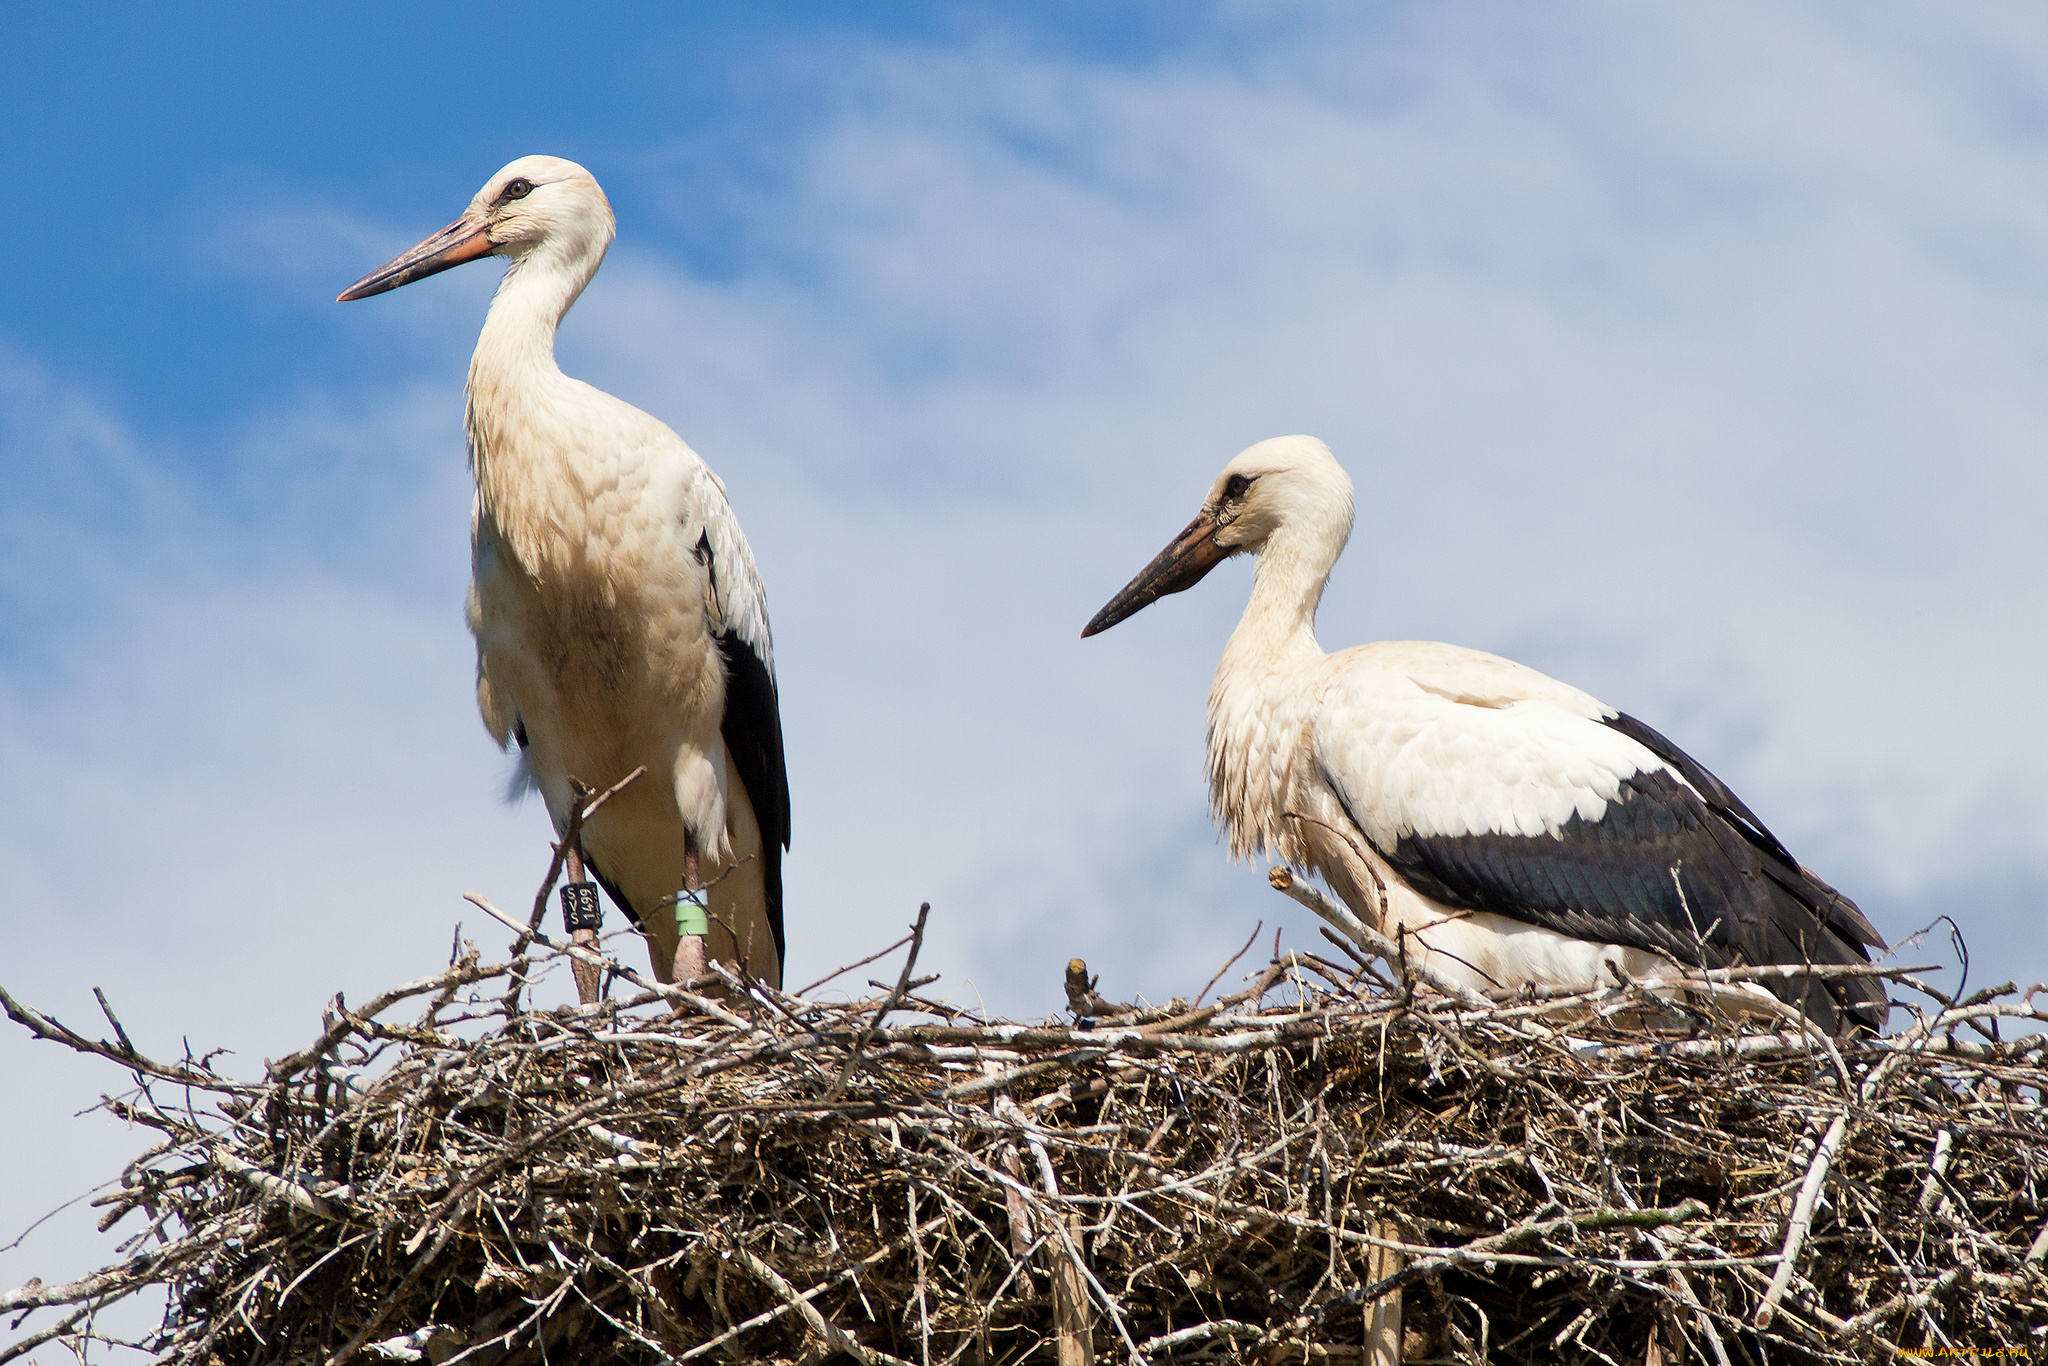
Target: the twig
(837, 1338)
(46, 1027)
(859, 1050)
(1231, 963)
(1802, 1218)
(1200, 1332)
(1496, 1246)
(1369, 939)
(1904, 1303)
(762, 1320)
(856, 963)
(50, 1334)
(582, 807)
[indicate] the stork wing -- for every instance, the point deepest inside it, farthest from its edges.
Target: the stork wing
(1841, 915)
(752, 726)
(1551, 810)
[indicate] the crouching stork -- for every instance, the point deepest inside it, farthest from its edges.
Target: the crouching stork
(1509, 827)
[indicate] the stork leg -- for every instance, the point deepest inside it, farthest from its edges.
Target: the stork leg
(691, 922)
(579, 907)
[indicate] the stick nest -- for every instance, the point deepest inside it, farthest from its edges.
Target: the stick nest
(747, 1174)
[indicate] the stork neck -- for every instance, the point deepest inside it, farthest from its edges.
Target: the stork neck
(519, 332)
(1256, 703)
(1287, 587)
(523, 459)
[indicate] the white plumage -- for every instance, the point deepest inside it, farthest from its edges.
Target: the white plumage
(1516, 830)
(618, 616)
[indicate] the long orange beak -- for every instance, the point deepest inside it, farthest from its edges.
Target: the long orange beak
(1175, 569)
(463, 240)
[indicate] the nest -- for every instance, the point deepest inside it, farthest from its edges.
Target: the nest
(1337, 1163)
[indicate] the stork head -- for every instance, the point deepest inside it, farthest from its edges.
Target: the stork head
(537, 204)
(1285, 490)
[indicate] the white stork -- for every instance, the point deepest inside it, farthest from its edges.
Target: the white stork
(1524, 833)
(618, 617)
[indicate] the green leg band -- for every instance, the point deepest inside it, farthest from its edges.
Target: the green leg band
(691, 917)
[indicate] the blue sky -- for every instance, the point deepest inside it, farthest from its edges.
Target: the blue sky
(1691, 354)
(138, 125)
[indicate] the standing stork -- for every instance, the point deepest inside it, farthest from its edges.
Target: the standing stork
(618, 617)
(1515, 829)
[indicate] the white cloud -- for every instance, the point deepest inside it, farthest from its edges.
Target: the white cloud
(1689, 355)
(1711, 340)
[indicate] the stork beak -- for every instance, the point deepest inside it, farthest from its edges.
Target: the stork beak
(463, 240)
(1175, 569)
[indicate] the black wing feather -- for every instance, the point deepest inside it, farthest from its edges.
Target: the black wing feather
(752, 729)
(1664, 870)
(611, 889)
(1840, 913)
(1717, 794)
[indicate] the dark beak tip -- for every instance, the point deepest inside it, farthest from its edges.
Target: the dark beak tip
(1103, 620)
(364, 288)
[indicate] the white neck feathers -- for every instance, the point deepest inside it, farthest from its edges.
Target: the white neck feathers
(520, 417)
(1264, 692)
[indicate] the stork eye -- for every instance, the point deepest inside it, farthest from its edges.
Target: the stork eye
(518, 189)
(1236, 484)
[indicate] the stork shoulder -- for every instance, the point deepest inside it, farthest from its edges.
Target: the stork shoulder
(1469, 677)
(1421, 738)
